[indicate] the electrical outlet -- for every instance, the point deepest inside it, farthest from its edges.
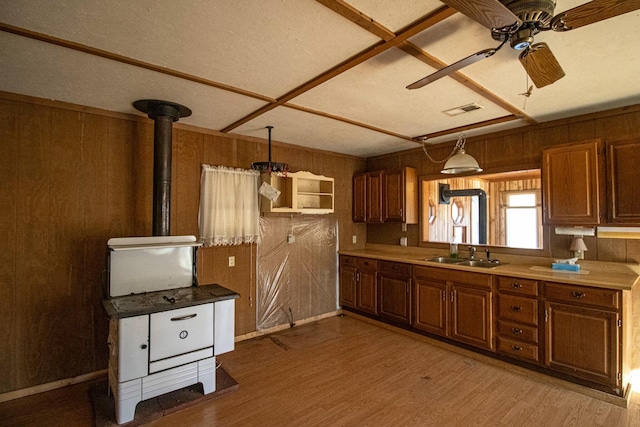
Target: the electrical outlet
(232, 261)
(291, 238)
(354, 239)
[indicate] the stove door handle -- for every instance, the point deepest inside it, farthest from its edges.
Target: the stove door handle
(188, 316)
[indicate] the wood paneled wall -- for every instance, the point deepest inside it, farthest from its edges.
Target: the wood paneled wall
(71, 178)
(520, 149)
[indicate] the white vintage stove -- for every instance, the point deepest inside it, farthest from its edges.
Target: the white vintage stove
(164, 330)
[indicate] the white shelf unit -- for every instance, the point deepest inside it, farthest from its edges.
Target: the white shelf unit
(301, 192)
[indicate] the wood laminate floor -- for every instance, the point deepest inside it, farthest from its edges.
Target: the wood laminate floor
(342, 371)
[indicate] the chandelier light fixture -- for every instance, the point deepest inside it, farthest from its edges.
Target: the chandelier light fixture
(458, 161)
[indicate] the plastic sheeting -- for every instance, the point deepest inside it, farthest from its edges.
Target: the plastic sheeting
(297, 269)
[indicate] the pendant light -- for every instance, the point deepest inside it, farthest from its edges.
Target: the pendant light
(268, 167)
(458, 161)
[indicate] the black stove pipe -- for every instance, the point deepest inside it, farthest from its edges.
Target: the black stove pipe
(163, 113)
(445, 195)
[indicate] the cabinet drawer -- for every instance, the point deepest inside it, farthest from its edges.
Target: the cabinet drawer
(518, 331)
(366, 263)
(518, 309)
(582, 295)
(347, 260)
(394, 268)
(518, 349)
(518, 286)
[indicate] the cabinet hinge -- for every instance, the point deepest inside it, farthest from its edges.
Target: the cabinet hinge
(546, 316)
(619, 323)
(619, 376)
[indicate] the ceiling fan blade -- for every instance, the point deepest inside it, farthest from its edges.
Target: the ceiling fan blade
(541, 65)
(591, 12)
(490, 13)
(454, 67)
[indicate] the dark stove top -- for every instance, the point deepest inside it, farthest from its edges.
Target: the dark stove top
(152, 302)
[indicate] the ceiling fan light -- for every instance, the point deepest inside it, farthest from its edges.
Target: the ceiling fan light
(461, 162)
(522, 39)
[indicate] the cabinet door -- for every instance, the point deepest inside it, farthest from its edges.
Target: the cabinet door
(623, 179)
(348, 286)
(583, 342)
(367, 292)
(471, 316)
(394, 196)
(431, 306)
(571, 187)
(360, 197)
(374, 196)
(395, 297)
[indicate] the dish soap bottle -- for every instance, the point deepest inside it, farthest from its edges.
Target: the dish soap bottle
(453, 249)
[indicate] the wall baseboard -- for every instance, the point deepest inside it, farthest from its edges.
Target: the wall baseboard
(41, 388)
(286, 326)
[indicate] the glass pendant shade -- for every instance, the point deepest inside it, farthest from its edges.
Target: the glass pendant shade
(461, 162)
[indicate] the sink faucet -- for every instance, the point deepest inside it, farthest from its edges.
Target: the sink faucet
(472, 251)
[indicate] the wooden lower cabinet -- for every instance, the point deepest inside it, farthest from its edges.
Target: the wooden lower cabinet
(583, 333)
(431, 306)
(347, 285)
(358, 284)
(571, 330)
(471, 316)
(455, 304)
(367, 291)
(394, 284)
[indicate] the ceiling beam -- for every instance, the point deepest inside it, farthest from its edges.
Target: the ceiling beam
(127, 60)
(350, 13)
(498, 120)
(349, 121)
(410, 31)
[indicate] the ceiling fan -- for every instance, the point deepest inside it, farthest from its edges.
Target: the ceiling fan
(517, 21)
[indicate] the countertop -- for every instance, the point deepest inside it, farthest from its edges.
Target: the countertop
(153, 302)
(611, 275)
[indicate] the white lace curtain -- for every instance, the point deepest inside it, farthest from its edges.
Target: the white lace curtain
(229, 213)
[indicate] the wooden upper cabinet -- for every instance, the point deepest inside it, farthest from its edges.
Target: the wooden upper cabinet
(401, 196)
(386, 196)
(623, 181)
(571, 184)
(374, 196)
(360, 197)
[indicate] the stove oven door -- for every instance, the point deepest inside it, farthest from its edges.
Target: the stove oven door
(180, 336)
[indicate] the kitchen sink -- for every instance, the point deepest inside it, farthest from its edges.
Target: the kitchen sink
(479, 263)
(465, 262)
(444, 260)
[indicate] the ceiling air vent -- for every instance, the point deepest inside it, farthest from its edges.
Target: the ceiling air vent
(463, 109)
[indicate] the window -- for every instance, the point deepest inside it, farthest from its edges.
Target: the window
(522, 213)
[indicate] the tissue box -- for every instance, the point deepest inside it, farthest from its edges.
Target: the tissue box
(566, 267)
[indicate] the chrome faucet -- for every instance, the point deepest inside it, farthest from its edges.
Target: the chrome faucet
(472, 251)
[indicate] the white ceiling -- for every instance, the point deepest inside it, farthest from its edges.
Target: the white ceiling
(227, 59)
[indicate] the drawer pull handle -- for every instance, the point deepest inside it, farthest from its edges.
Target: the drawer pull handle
(516, 285)
(516, 308)
(516, 331)
(188, 316)
(143, 346)
(578, 295)
(516, 348)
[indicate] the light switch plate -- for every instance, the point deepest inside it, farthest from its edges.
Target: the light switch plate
(232, 261)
